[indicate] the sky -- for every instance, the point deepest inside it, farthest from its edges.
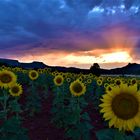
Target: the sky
(71, 33)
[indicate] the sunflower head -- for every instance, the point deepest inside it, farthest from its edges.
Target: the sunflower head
(105, 85)
(133, 81)
(109, 79)
(77, 88)
(33, 74)
(121, 106)
(118, 82)
(16, 90)
(58, 80)
(108, 88)
(99, 82)
(7, 78)
(89, 81)
(80, 78)
(68, 79)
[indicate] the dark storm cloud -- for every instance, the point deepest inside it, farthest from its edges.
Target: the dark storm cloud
(59, 24)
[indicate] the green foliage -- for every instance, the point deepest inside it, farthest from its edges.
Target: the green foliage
(137, 132)
(79, 126)
(68, 113)
(112, 134)
(11, 126)
(11, 130)
(33, 104)
(15, 106)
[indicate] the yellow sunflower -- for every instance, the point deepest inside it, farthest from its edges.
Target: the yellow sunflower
(58, 80)
(77, 88)
(68, 79)
(7, 78)
(89, 81)
(121, 106)
(133, 81)
(33, 74)
(16, 90)
(109, 79)
(99, 82)
(105, 85)
(118, 82)
(101, 78)
(108, 88)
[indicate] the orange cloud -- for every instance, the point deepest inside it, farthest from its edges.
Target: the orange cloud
(116, 49)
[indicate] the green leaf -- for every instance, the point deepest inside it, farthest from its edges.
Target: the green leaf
(105, 134)
(12, 125)
(15, 106)
(22, 137)
(85, 116)
(86, 136)
(2, 114)
(137, 132)
(73, 133)
(129, 138)
(88, 126)
(1, 98)
(119, 136)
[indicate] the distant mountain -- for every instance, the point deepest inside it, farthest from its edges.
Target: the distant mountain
(16, 63)
(131, 68)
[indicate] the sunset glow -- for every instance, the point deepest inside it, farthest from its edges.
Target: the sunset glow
(116, 57)
(103, 58)
(69, 33)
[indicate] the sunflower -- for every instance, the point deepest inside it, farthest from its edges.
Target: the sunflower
(101, 78)
(7, 78)
(77, 88)
(121, 106)
(24, 71)
(68, 79)
(105, 85)
(33, 74)
(80, 78)
(99, 82)
(133, 81)
(108, 88)
(64, 76)
(40, 70)
(89, 81)
(58, 80)
(16, 90)
(109, 79)
(118, 82)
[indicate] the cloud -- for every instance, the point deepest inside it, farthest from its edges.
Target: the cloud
(35, 27)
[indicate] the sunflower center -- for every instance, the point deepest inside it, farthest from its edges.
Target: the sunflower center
(77, 87)
(33, 74)
(58, 80)
(109, 88)
(5, 78)
(125, 106)
(133, 82)
(118, 82)
(15, 89)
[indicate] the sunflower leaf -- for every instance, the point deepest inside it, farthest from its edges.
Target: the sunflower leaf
(106, 134)
(137, 132)
(85, 116)
(118, 136)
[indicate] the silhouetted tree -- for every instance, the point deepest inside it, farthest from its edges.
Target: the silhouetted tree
(95, 69)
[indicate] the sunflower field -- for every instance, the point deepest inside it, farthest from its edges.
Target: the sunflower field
(43, 104)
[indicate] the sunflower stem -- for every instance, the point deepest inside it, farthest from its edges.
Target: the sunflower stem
(17, 114)
(78, 108)
(5, 103)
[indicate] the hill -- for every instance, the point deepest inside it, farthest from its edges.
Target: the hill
(131, 68)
